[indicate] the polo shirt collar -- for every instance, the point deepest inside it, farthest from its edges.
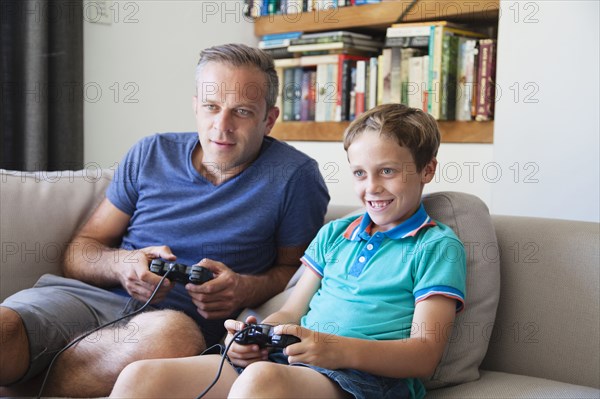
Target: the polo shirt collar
(360, 229)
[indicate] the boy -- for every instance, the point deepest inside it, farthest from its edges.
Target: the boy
(376, 294)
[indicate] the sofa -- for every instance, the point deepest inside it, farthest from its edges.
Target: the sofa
(530, 329)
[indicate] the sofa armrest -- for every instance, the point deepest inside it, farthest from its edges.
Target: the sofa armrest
(40, 212)
(549, 309)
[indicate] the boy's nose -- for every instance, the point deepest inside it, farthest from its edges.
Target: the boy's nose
(373, 186)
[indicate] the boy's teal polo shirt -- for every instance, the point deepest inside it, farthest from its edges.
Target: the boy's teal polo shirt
(372, 283)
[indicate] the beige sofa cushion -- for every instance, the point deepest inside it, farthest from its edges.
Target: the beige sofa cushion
(39, 213)
(469, 217)
(549, 314)
(495, 385)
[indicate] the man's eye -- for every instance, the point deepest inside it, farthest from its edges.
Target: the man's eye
(210, 107)
(244, 112)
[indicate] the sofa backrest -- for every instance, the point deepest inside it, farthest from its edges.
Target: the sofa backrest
(469, 218)
(39, 213)
(547, 324)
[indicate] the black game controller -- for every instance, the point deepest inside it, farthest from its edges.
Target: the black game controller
(181, 273)
(263, 336)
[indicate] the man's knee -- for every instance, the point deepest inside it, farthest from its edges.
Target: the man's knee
(171, 333)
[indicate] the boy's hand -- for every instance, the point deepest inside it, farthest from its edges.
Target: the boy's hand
(243, 355)
(317, 349)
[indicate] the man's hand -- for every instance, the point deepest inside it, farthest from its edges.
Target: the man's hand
(138, 280)
(221, 296)
(243, 355)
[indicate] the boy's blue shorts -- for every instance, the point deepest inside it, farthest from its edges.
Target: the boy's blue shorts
(359, 384)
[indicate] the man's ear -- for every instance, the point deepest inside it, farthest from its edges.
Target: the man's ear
(272, 116)
(428, 171)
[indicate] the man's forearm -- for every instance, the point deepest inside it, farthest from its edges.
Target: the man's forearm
(258, 289)
(92, 262)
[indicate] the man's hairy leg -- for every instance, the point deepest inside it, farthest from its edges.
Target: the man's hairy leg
(14, 347)
(91, 367)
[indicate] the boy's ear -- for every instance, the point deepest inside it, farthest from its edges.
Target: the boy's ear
(428, 171)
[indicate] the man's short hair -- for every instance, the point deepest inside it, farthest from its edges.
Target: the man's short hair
(241, 55)
(410, 127)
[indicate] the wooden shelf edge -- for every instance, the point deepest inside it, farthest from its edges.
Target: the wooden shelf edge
(377, 16)
(451, 131)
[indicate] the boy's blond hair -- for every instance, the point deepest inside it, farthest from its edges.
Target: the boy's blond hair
(410, 127)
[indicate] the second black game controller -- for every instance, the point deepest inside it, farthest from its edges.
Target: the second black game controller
(181, 273)
(263, 336)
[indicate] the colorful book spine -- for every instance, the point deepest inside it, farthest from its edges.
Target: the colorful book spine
(361, 87)
(487, 80)
(465, 78)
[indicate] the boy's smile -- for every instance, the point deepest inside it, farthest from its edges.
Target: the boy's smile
(386, 178)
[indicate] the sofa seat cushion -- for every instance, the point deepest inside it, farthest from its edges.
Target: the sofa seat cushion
(495, 384)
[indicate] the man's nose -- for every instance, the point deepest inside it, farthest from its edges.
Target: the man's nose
(224, 121)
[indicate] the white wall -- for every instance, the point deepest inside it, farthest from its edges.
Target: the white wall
(544, 160)
(139, 71)
(549, 132)
(461, 167)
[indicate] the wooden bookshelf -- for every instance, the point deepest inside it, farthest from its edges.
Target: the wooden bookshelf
(376, 18)
(379, 16)
(452, 131)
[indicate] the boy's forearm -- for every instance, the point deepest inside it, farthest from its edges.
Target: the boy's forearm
(407, 358)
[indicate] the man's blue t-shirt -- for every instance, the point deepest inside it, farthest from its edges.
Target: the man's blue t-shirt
(278, 201)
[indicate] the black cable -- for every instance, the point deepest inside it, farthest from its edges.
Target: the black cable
(223, 357)
(81, 337)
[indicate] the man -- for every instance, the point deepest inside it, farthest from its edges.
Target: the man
(237, 202)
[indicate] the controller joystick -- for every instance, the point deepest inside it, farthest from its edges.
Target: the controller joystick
(263, 336)
(181, 273)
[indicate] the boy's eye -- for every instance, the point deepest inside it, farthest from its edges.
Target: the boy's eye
(358, 173)
(387, 171)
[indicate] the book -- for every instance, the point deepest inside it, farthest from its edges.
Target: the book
(384, 89)
(417, 75)
(448, 77)
(336, 34)
(345, 65)
(373, 74)
(302, 48)
(486, 79)
(361, 86)
(465, 78)
(435, 64)
(288, 91)
(407, 41)
(405, 55)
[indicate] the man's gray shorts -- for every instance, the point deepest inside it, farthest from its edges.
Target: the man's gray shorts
(58, 310)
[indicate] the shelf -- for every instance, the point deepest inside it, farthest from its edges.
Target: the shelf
(452, 131)
(378, 16)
